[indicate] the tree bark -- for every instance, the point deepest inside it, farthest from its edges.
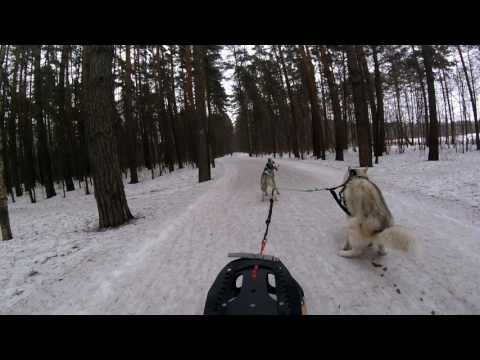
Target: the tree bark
(12, 134)
(107, 177)
(199, 54)
(166, 120)
(173, 109)
(4, 50)
(131, 123)
(345, 102)
(4, 217)
(189, 104)
(45, 163)
(292, 106)
(472, 98)
(361, 110)
(380, 129)
(337, 116)
(452, 123)
(427, 52)
(424, 95)
(317, 131)
(444, 96)
(26, 130)
(64, 121)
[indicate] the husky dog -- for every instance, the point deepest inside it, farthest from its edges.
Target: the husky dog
(267, 181)
(371, 222)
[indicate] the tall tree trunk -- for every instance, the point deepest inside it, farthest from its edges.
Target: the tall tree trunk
(410, 119)
(63, 121)
(317, 131)
(131, 123)
(213, 153)
(380, 129)
(83, 116)
(424, 94)
(4, 50)
(141, 104)
(452, 123)
(345, 102)
(371, 100)
(396, 86)
(473, 100)
(166, 113)
(337, 116)
(292, 106)
(107, 177)
(199, 54)
(45, 163)
(175, 119)
(4, 217)
(463, 110)
(12, 135)
(186, 54)
(427, 52)
(244, 111)
(27, 132)
(361, 110)
(325, 133)
(444, 96)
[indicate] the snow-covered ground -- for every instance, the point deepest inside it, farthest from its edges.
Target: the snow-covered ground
(165, 261)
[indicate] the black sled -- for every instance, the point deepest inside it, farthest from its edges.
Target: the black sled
(273, 291)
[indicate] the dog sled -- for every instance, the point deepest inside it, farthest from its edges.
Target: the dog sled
(240, 290)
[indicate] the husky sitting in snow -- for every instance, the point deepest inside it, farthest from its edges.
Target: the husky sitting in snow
(371, 222)
(267, 181)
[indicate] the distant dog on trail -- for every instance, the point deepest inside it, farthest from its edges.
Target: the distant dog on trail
(267, 181)
(371, 222)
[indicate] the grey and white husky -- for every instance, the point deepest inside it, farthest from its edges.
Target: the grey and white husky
(371, 222)
(267, 181)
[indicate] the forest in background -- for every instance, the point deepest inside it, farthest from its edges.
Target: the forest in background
(88, 116)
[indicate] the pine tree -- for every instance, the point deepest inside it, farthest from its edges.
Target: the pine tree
(109, 191)
(4, 217)
(361, 111)
(427, 52)
(131, 123)
(380, 118)
(472, 97)
(44, 158)
(199, 54)
(337, 116)
(317, 130)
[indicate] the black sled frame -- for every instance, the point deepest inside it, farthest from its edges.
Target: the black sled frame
(255, 296)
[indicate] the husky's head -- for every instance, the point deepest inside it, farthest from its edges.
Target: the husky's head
(356, 172)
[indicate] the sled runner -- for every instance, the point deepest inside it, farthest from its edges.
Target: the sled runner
(272, 291)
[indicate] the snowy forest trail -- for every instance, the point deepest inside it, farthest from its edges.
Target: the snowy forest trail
(165, 262)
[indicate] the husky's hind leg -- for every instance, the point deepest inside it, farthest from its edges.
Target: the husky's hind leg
(355, 241)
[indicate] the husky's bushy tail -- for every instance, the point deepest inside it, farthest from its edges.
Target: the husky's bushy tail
(396, 237)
